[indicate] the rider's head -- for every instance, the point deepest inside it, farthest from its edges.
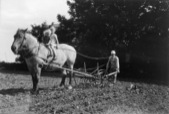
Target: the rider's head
(53, 29)
(47, 32)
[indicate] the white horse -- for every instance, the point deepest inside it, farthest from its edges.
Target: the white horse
(38, 56)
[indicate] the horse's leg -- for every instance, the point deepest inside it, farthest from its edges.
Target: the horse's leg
(70, 76)
(63, 78)
(36, 78)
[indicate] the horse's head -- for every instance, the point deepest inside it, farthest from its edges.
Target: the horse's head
(22, 41)
(19, 41)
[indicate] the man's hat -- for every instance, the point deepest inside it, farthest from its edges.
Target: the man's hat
(113, 52)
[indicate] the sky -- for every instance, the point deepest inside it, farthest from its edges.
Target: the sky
(16, 14)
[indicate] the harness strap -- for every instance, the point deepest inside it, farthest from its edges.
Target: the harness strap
(29, 53)
(22, 41)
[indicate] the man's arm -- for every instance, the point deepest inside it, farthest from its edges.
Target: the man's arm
(118, 65)
(107, 65)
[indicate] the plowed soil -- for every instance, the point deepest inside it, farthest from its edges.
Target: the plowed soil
(85, 98)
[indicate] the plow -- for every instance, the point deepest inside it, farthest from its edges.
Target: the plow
(97, 74)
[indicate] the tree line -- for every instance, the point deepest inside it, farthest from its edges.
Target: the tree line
(137, 29)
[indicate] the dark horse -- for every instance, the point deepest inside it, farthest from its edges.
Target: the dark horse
(37, 57)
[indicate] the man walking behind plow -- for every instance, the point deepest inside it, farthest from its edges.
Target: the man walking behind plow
(113, 66)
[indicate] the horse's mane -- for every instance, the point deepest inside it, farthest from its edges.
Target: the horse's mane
(25, 31)
(29, 32)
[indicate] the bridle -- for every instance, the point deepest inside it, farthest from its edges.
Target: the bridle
(24, 38)
(27, 53)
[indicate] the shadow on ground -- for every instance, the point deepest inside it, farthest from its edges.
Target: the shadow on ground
(13, 91)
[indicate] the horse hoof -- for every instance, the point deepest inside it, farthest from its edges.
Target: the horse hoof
(61, 86)
(34, 92)
(69, 87)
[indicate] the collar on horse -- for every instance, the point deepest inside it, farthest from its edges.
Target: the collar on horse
(28, 53)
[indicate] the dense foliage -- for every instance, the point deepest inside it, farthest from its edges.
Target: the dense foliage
(137, 29)
(114, 24)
